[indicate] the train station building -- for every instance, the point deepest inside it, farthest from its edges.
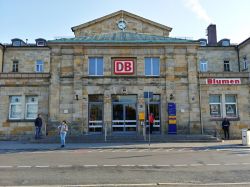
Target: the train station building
(116, 70)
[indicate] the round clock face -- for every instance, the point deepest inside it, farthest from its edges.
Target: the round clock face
(122, 24)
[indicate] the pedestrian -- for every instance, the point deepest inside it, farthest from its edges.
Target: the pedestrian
(38, 126)
(225, 126)
(63, 129)
(151, 122)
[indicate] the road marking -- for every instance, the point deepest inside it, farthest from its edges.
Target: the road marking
(90, 165)
(128, 165)
(6, 166)
(24, 166)
(204, 184)
(42, 166)
(231, 164)
(212, 164)
(64, 166)
(196, 165)
(245, 163)
(163, 165)
(145, 165)
(180, 165)
(107, 165)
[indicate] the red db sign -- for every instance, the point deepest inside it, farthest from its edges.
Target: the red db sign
(123, 67)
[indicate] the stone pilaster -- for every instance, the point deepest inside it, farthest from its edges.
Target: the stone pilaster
(193, 93)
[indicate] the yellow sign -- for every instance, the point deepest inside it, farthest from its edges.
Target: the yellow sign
(141, 116)
(171, 121)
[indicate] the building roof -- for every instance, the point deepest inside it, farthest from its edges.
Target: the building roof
(244, 42)
(122, 37)
(122, 12)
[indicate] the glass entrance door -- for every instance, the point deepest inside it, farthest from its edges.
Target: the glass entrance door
(154, 107)
(124, 113)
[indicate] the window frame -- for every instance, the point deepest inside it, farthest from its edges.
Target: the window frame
(223, 106)
(216, 103)
(226, 66)
(203, 65)
(30, 103)
(96, 66)
(15, 65)
(152, 67)
(15, 104)
(245, 63)
(40, 66)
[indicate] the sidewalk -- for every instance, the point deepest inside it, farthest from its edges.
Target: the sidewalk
(12, 145)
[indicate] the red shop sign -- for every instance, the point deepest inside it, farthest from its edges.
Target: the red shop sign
(223, 81)
(123, 67)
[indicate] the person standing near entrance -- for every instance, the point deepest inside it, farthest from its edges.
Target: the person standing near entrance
(63, 129)
(38, 126)
(225, 126)
(151, 122)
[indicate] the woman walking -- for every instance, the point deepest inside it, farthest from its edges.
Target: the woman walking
(63, 129)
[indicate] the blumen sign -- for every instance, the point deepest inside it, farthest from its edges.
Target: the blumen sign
(223, 81)
(123, 67)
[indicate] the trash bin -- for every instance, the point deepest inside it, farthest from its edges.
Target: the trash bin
(246, 137)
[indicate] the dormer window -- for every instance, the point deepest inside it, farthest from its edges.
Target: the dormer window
(40, 42)
(17, 42)
(225, 43)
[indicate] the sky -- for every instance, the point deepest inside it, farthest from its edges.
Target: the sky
(50, 19)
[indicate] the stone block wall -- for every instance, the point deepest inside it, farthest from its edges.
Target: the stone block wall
(27, 57)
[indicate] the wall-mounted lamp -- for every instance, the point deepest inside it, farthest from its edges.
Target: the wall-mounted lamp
(171, 97)
(76, 97)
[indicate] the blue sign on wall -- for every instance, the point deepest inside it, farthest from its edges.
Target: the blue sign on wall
(172, 115)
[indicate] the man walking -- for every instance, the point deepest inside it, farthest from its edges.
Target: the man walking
(38, 125)
(225, 127)
(151, 122)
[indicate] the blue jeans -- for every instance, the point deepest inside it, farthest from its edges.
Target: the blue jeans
(63, 136)
(38, 132)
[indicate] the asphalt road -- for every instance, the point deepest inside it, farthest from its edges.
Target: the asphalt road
(124, 167)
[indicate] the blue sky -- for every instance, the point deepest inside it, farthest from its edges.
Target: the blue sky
(31, 19)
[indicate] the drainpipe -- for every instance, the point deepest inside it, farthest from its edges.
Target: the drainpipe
(238, 56)
(199, 84)
(3, 57)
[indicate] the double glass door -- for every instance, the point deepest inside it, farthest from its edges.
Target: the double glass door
(124, 113)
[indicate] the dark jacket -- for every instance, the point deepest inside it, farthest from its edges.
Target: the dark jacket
(225, 124)
(38, 122)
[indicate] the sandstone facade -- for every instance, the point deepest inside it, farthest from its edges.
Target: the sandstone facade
(66, 89)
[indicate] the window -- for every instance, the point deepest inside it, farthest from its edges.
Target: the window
(15, 66)
(203, 65)
(15, 110)
(230, 105)
(39, 66)
(96, 66)
(223, 105)
(245, 63)
(152, 66)
(31, 107)
(226, 65)
(215, 105)
(23, 110)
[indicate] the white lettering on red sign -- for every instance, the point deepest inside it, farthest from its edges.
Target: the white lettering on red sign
(123, 67)
(223, 81)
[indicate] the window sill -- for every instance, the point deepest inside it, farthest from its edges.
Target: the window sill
(21, 120)
(221, 118)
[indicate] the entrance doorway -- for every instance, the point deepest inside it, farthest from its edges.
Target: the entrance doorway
(124, 118)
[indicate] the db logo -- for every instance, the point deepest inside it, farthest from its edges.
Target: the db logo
(123, 67)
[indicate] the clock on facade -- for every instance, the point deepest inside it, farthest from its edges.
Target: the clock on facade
(121, 24)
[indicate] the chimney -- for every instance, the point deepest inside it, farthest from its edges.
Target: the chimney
(211, 35)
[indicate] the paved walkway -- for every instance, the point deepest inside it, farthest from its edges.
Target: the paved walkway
(13, 145)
